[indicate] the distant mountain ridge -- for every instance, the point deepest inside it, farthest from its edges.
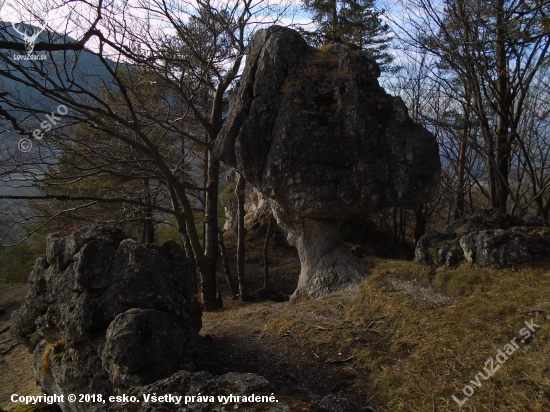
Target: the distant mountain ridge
(81, 68)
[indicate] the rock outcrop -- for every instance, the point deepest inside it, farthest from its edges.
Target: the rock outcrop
(488, 238)
(313, 130)
(201, 391)
(360, 233)
(104, 313)
(256, 205)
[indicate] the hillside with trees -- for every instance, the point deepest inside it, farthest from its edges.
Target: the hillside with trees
(193, 125)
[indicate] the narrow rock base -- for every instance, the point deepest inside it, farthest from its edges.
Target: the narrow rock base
(327, 264)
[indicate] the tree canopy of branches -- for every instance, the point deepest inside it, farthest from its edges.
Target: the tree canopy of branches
(485, 59)
(143, 108)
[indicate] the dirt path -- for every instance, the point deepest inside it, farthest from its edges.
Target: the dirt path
(242, 342)
(15, 361)
(306, 350)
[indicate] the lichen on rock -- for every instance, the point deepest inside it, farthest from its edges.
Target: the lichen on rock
(488, 238)
(104, 313)
(313, 131)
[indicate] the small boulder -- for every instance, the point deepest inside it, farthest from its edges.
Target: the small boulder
(439, 249)
(502, 248)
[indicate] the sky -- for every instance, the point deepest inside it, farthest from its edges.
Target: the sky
(74, 18)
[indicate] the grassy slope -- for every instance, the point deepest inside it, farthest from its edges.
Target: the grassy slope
(449, 345)
(413, 355)
(405, 353)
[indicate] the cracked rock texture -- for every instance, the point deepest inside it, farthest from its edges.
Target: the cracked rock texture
(487, 238)
(313, 131)
(104, 313)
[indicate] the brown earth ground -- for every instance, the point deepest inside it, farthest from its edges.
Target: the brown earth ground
(267, 338)
(406, 340)
(15, 361)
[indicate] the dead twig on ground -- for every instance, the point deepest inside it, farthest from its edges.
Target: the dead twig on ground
(337, 361)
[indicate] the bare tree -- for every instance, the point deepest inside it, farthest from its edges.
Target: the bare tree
(191, 64)
(494, 50)
(241, 232)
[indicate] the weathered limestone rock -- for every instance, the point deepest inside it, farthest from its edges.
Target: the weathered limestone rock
(439, 249)
(313, 130)
(256, 205)
(104, 313)
(501, 248)
(208, 387)
(488, 238)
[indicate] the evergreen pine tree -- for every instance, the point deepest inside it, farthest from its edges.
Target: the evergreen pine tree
(353, 22)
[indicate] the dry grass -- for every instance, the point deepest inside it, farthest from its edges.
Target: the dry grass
(450, 344)
(52, 351)
(281, 325)
(411, 355)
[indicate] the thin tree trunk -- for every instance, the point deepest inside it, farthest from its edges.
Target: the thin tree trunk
(240, 191)
(491, 175)
(459, 206)
(502, 134)
(226, 269)
(503, 163)
(266, 257)
(402, 224)
(182, 229)
(148, 228)
(205, 180)
(208, 280)
(143, 227)
(460, 202)
(395, 225)
(420, 223)
(334, 18)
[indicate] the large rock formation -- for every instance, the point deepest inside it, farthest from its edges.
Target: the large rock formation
(105, 312)
(313, 130)
(488, 238)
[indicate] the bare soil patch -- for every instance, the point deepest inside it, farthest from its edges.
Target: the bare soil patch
(15, 361)
(266, 339)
